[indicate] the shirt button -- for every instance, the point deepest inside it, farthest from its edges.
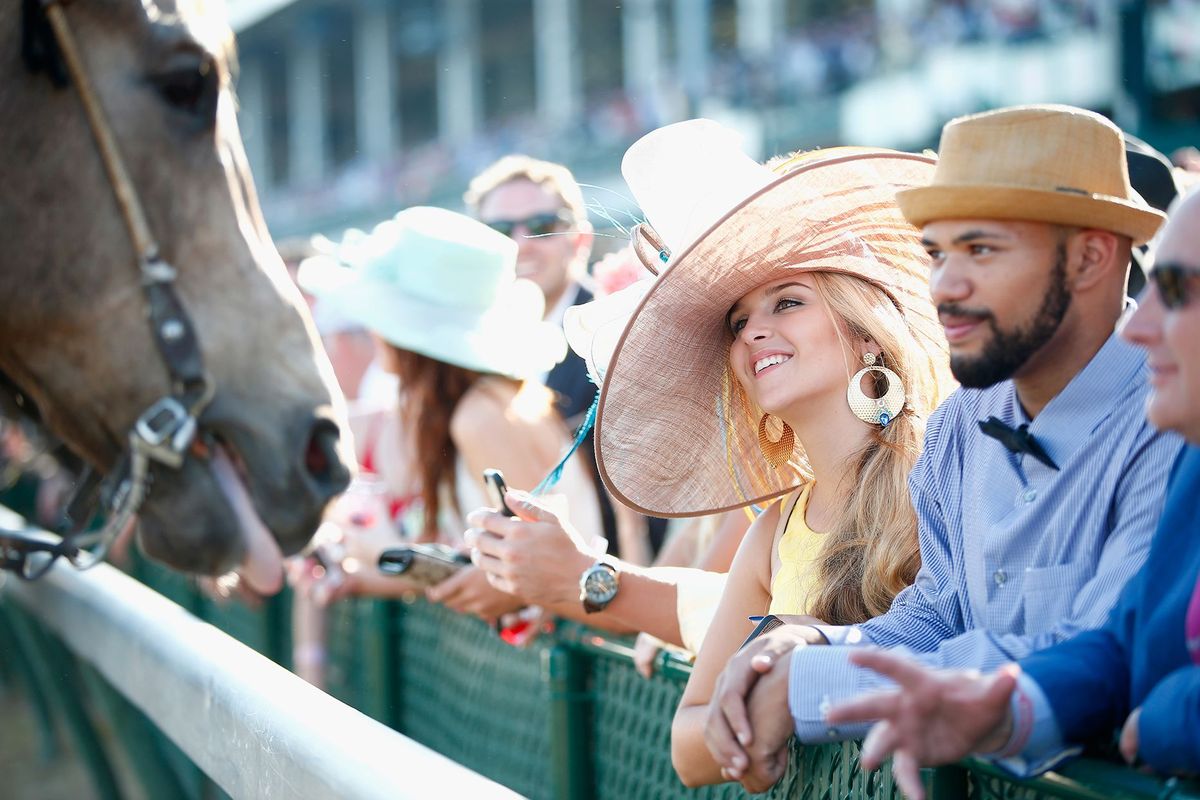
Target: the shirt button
(832, 733)
(1029, 495)
(999, 576)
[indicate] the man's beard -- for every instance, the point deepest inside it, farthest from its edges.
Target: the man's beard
(1007, 351)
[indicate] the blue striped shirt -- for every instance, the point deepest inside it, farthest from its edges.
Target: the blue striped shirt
(1015, 555)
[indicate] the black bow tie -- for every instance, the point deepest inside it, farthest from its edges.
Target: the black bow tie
(1017, 440)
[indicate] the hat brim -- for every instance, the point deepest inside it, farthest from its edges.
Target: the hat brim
(928, 203)
(510, 339)
(665, 444)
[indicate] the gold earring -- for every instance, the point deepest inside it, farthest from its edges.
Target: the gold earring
(777, 452)
(875, 410)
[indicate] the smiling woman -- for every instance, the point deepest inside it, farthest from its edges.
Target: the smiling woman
(789, 348)
(222, 399)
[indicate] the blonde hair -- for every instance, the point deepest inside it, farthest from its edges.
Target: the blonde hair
(871, 551)
(555, 177)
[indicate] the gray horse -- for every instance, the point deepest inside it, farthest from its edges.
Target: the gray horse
(73, 329)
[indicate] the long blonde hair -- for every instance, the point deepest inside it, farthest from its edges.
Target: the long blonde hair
(871, 551)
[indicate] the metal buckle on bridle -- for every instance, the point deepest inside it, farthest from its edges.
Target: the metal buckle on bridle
(164, 432)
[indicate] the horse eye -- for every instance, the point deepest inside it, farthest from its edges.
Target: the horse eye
(191, 89)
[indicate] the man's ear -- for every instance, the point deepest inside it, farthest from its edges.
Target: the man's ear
(1096, 256)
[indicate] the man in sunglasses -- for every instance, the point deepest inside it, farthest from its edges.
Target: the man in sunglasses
(1040, 483)
(540, 205)
(1140, 673)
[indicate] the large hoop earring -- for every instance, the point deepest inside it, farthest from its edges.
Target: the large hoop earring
(778, 452)
(875, 410)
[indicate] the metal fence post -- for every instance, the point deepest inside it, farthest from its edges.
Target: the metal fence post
(570, 749)
(945, 783)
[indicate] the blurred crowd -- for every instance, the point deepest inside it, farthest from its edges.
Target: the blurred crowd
(832, 49)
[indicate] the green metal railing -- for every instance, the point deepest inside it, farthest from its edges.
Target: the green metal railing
(568, 717)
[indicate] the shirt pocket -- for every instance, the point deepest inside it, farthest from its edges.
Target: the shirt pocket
(1050, 591)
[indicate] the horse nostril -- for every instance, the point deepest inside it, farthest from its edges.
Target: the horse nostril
(321, 461)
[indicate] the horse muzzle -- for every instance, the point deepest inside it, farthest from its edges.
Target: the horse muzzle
(239, 506)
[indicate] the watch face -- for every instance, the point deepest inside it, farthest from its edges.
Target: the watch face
(600, 585)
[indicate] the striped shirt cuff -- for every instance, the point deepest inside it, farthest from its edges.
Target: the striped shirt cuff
(820, 678)
(845, 635)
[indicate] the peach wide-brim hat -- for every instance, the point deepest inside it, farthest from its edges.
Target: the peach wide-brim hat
(1042, 163)
(672, 436)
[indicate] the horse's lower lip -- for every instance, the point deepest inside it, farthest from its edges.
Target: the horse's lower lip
(262, 564)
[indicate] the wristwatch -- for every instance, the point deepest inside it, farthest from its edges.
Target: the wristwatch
(598, 586)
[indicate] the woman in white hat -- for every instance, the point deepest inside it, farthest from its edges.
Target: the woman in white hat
(788, 350)
(466, 340)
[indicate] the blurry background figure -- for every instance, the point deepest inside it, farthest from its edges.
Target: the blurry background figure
(541, 207)
(1153, 177)
(1186, 158)
(617, 270)
(353, 351)
(466, 340)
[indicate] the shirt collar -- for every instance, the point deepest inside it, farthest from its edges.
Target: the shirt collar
(565, 301)
(1086, 402)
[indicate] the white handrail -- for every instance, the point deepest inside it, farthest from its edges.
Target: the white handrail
(253, 727)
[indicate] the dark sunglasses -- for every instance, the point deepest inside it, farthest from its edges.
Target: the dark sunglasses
(537, 225)
(1174, 283)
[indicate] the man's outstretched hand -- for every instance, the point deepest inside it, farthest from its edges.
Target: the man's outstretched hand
(932, 717)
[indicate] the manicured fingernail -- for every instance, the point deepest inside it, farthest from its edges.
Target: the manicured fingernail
(744, 738)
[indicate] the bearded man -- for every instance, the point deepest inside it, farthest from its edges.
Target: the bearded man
(1041, 482)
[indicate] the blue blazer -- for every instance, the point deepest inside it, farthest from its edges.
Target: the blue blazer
(1140, 657)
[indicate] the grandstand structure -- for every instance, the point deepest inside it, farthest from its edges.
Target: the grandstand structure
(352, 109)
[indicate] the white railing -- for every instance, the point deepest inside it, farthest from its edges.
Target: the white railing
(254, 728)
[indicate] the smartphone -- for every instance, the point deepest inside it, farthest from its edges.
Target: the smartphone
(423, 564)
(768, 623)
(494, 480)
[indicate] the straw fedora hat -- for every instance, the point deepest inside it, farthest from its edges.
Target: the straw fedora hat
(671, 437)
(443, 285)
(1057, 164)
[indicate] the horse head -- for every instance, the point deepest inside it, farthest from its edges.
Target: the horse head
(74, 335)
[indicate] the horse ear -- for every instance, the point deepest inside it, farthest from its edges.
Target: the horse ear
(39, 47)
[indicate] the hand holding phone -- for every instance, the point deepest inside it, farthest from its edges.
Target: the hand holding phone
(496, 487)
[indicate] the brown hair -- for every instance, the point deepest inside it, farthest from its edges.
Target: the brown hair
(555, 177)
(430, 391)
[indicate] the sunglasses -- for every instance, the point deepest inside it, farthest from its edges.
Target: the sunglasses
(1174, 283)
(536, 225)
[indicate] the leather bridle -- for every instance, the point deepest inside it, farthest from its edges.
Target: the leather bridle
(165, 432)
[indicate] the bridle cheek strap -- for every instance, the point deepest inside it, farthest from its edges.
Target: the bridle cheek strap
(164, 432)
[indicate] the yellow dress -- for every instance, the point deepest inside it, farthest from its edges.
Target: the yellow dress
(798, 549)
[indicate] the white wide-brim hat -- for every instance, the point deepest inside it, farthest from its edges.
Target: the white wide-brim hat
(443, 285)
(672, 438)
